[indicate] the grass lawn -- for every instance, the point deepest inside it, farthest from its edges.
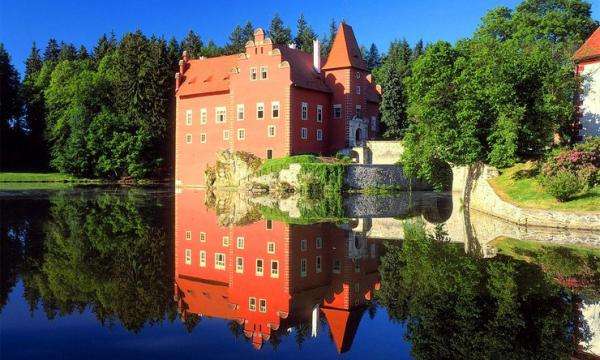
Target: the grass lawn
(527, 192)
(35, 177)
(276, 165)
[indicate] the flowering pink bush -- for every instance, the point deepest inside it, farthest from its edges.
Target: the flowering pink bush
(583, 161)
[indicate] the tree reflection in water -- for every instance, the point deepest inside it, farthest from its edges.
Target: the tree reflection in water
(459, 306)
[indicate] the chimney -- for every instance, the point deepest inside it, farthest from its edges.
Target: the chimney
(177, 81)
(181, 67)
(316, 55)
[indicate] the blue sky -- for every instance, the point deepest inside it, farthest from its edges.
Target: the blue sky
(82, 22)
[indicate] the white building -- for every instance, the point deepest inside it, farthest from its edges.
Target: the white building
(588, 67)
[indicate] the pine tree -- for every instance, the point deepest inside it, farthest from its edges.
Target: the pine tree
(304, 36)
(33, 99)
(279, 33)
(237, 41)
(326, 47)
(211, 49)
(393, 105)
(11, 130)
(52, 51)
(192, 44)
(67, 52)
(418, 50)
(104, 46)
(248, 32)
(174, 52)
(372, 57)
(82, 54)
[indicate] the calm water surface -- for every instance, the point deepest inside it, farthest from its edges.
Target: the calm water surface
(147, 273)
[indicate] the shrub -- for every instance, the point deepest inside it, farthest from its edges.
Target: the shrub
(583, 160)
(276, 165)
(563, 186)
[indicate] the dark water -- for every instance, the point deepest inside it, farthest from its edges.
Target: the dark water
(147, 273)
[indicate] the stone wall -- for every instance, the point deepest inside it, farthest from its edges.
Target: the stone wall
(373, 176)
(385, 152)
(471, 184)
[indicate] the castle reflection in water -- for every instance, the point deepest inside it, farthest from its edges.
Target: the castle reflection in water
(269, 276)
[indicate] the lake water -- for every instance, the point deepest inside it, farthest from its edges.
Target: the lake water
(150, 273)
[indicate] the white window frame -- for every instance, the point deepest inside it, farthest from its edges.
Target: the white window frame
(220, 111)
(319, 135)
(202, 258)
(202, 236)
(240, 110)
(188, 138)
(319, 113)
(225, 241)
(304, 111)
(275, 270)
(271, 131)
(226, 135)
(203, 116)
(262, 305)
(188, 117)
(318, 264)
(271, 247)
(258, 109)
(241, 134)
(275, 106)
(303, 267)
(264, 70)
(188, 235)
(253, 73)
(188, 256)
(240, 242)
(319, 242)
(218, 264)
(303, 133)
(252, 303)
(203, 138)
(337, 111)
(303, 245)
(259, 271)
(239, 265)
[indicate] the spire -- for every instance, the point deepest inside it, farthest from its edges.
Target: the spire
(345, 51)
(343, 325)
(590, 48)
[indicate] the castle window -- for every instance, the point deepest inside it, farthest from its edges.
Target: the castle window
(239, 265)
(225, 135)
(337, 266)
(358, 111)
(202, 258)
(271, 247)
(241, 135)
(304, 111)
(357, 267)
(220, 261)
(203, 116)
(274, 269)
(319, 113)
(263, 72)
(262, 305)
(220, 114)
(188, 256)
(269, 224)
(319, 243)
(269, 153)
(304, 133)
(188, 138)
(202, 237)
(337, 111)
(260, 111)
(259, 267)
(275, 110)
(188, 235)
(252, 304)
(303, 267)
(271, 131)
(240, 111)
(358, 90)
(226, 241)
(318, 265)
(303, 245)
(203, 138)
(357, 74)
(319, 135)
(240, 242)
(188, 117)
(253, 73)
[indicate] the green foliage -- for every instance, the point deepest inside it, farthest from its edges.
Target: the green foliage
(239, 37)
(318, 181)
(192, 44)
(304, 36)
(455, 305)
(372, 57)
(563, 185)
(11, 129)
(500, 95)
(278, 32)
(276, 165)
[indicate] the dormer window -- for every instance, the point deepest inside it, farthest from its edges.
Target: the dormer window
(253, 73)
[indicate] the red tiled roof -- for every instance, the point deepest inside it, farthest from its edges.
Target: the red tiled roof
(207, 75)
(205, 297)
(590, 48)
(302, 71)
(345, 51)
(343, 325)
